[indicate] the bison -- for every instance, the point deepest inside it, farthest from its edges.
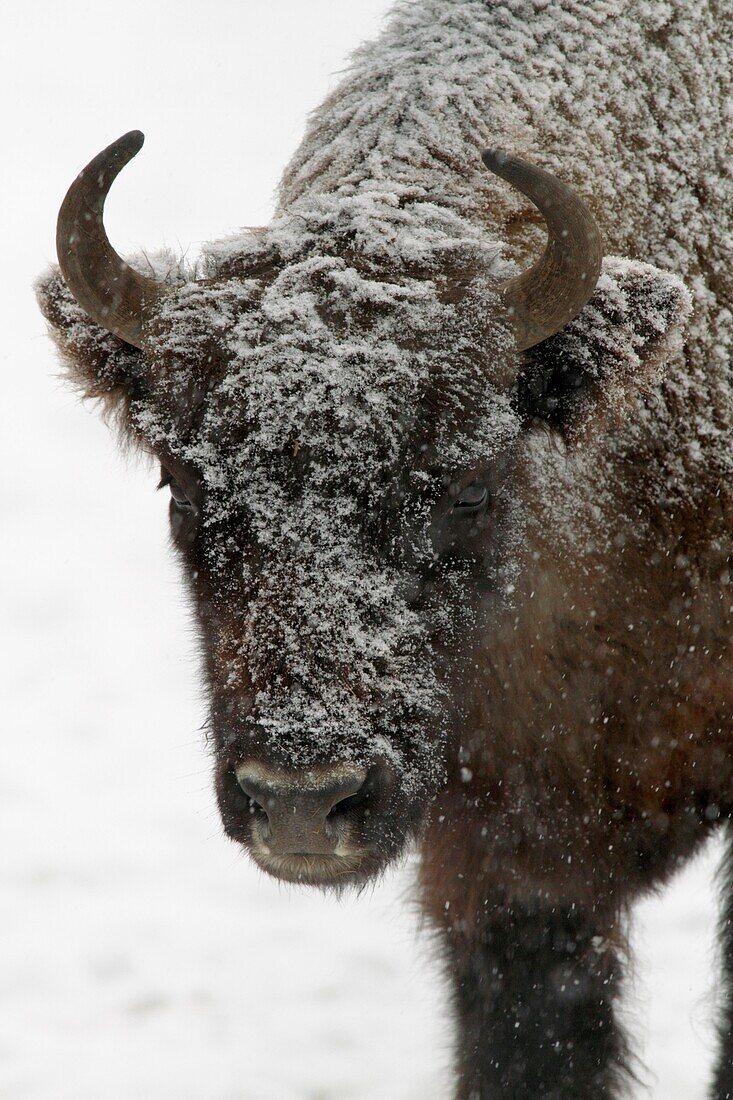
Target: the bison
(454, 511)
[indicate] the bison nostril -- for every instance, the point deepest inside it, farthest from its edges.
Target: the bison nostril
(351, 803)
(296, 810)
(258, 814)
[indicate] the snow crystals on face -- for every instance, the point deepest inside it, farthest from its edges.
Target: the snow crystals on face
(316, 399)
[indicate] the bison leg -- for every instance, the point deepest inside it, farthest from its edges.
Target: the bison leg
(723, 1087)
(534, 993)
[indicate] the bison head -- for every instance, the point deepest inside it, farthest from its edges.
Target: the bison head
(339, 405)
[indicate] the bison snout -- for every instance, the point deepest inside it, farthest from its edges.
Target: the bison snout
(300, 814)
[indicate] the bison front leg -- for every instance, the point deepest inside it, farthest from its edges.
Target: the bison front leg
(534, 994)
(723, 1083)
(534, 985)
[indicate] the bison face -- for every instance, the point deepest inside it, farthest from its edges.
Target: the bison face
(340, 405)
(336, 629)
(341, 497)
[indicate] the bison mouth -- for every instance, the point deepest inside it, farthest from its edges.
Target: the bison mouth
(340, 869)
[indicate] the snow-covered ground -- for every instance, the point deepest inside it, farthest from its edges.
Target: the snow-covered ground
(140, 954)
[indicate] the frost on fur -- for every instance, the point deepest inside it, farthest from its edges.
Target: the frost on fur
(617, 347)
(96, 363)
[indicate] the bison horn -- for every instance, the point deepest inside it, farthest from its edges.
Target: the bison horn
(113, 295)
(545, 297)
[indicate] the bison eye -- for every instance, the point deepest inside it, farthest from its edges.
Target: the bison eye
(471, 499)
(179, 497)
(183, 504)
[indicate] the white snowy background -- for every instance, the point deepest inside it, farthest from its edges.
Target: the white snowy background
(141, 956)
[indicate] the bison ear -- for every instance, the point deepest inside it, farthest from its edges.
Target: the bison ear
(98, 364)
(582, 378)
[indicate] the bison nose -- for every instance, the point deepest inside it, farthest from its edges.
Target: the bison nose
(301, 809)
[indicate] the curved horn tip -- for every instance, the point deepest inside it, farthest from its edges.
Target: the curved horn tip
(133, 139)
(495, 159)
(128, 145)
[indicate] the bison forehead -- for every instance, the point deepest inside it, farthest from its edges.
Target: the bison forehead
(357, 375)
